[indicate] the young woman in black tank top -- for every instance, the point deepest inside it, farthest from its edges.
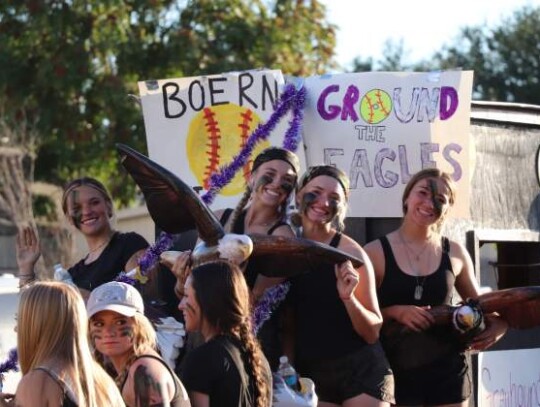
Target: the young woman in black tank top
(262, 210)
(335, 313)
(417, 268)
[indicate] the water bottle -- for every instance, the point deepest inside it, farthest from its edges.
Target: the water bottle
(287, 372)
(61, 274)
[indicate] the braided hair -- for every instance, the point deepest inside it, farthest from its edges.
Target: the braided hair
(223, 297)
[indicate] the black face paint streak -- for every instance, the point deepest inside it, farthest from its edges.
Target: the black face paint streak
(144, 386)
(287, 187)
(307, 200)
(76, 215)
(96, 335)
(334, 208)
(263, 181)
(434, 192)
(126, 332)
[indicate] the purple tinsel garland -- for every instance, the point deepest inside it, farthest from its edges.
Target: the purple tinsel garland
(291, 99)
(267, 304)
(150, 257)
(10, 363)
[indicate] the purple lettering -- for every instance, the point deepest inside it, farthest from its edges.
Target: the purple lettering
(351, 97)
(389, 179)
(449, 102)
(333, 110)
(458, 173)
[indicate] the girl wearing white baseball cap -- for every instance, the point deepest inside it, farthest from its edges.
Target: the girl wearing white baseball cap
(123, 337)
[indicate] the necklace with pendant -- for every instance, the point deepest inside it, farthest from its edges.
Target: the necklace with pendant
(420, 281)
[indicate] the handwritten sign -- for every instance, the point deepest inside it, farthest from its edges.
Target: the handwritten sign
(381, 128)
(509, 378)
(196, 125)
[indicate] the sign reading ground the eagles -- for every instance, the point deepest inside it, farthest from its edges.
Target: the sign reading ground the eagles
(196, 125)
(381, 128)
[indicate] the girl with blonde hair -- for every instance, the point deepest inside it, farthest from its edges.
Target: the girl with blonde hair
(54, 354)
(124, 339)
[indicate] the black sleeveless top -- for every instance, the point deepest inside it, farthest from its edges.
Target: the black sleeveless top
(110, 262)
(323, 327)
(239, 228)
(397, 287)
(68, 393)
(180, 398)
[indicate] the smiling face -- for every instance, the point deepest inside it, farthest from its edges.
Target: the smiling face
(272, 182)
(321, 199)
(190, 308)
(88, 210)
(428, 201)
(112, 334)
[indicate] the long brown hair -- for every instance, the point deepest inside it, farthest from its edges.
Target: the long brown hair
(52, 325)
(223, 297)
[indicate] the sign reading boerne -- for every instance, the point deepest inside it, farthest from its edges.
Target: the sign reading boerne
(381, 128)
(196, 125)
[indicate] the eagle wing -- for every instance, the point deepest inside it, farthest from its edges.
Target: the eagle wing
(173, 205)
(519, 306)
(279, 256)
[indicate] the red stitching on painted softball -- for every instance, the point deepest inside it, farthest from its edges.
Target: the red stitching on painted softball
(378, 93)
(245, 127)
(214, 135)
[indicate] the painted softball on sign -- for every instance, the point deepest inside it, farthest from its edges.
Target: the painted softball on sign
(216, 134)
(375, 106)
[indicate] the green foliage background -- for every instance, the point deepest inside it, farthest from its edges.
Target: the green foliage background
(68, 67)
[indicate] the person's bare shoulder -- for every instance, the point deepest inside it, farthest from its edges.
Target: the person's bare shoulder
(37, 388)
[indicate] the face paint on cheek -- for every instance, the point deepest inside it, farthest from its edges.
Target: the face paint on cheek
(335, 208)
(76, 216)
(126, 332)
(434, 192)
(307, 199)
(262, 182)
(96, 334)
(287, 187)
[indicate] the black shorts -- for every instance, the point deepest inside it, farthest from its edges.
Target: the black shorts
(365, 371)
(446, 381)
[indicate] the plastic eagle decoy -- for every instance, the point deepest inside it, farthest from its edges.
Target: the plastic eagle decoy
(175, 208)
(518, 306)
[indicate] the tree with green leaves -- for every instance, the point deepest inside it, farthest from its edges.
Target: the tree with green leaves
(505, 58)
(70, 66)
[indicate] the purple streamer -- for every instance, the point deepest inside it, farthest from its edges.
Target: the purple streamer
(291, 99)
(10, 364)
(271, 298)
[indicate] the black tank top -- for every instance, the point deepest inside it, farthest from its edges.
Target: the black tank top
(397, 287)
(180, 398)
(239, 228)
(323, 326)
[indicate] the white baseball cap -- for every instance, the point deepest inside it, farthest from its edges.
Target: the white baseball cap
(115, 296)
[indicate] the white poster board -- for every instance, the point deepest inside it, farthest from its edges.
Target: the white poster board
(381, 128)
(509, 378)
(196, 125)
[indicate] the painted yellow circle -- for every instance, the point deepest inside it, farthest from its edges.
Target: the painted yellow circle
(376, 105)
(216, 134)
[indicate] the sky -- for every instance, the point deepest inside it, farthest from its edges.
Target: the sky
(424, 25)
